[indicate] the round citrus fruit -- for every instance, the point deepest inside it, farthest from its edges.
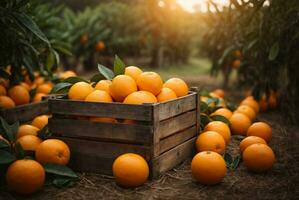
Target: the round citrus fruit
(39, 80)
(80, 90)
(258, 157)
(133, 71)
(40, 121)
(99, 96)
(246, 110)
(121, 87)
(260, 129)
(263, 103)
(219, 92)
(99, 46)
(140, 97)
(166, 94)
(6, 102)
(223, 112)
(25, 176)
(150, 81)
(246, 142)
(2, 90)
(250, 101)
(103, 85)
(210, 141)
(177, 85)
(221, 128)
(236, 64)
(67, 74)
(130, 170)
(29, 142)
(208, 167)
(38, 97)
(19, 95)
(27, 129)
(44, 88)
(53, 151)
(212, 94)
(239, 123)
(272, 101)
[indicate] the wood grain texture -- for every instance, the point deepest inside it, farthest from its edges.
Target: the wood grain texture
(114, 110)
(117, 132)
(25, 113)
(173, 157)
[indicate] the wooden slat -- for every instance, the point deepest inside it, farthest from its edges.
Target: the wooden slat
(173, 157)
(139, 134)
(97, 157)
(176, 139)
(175, 124)
(114, 110)
(25, 113)
(195, 89)
(177, 106)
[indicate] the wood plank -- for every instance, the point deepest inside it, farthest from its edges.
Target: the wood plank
(176, 139)
(173, 157)
(176, 124)
(25, 113)
(117, 132)
(177, 106)
(114, 110)
(97, 157)
(195, 89)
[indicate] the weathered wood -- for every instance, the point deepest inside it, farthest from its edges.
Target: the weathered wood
(195, 89)
(173, 157)
(177, 106)
(176, 139)
(117, 132)
(25, 113)
(176, 124)
(114, 110)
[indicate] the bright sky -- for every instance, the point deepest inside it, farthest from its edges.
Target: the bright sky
(189, 5)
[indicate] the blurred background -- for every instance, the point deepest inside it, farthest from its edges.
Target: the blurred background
(246, 45)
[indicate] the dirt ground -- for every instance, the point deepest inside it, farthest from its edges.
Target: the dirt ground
(282, 182)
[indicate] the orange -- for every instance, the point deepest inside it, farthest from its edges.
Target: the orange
(239, 123)
(53, 151)
(212, 94)
(25, 85)
(246, 110)
(67, 74)
(6, 102)
(29, 142)
(219, 92)
(27, 129)
(246, 142)
(19, 95)
(133, 71)
(237, 54)
(130, 170)
(140, 97)
(250, 101)
(263, 103)
(99, 46)
(258, 157)
(178, 86)
(25, 176)
(260, 129)
(208, 167)
(221, 128)
(44, 88)
(40, 121)
(2, 90)
(236, 64)
(121, 87)
(98, 96)
(103, 85)
(38, 97)
(210, 141)
(272, 101)
(39, 80)
(166, 94)
(80, 90)
(223, 112)
(103, 119)
(150, 81)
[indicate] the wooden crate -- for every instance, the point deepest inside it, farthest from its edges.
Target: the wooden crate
(164, 134)
(25, 113)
